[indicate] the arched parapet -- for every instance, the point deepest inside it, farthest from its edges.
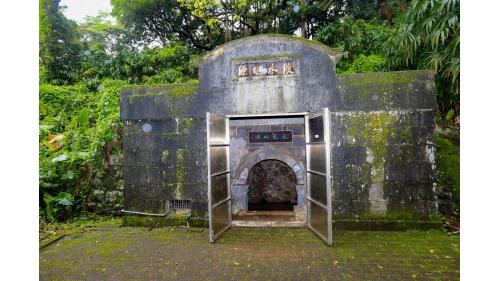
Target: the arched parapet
(269, 73)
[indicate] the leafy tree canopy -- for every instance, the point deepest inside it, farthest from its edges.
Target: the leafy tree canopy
(165, 21)
(428, 36)
(60, 45)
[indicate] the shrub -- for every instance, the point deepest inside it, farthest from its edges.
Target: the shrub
(78, 130)
(361, 64)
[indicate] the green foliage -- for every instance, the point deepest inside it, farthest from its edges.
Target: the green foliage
(362, 64)
(362, 9)
(205, 24)
(166, 77)
(79, 122)
(165, 21)
(60, 46)
(90, 125)
(356, 38)
(448, 168)
(428, 36)
(110, 54)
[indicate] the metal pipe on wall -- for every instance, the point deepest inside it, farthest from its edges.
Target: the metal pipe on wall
(143, 214)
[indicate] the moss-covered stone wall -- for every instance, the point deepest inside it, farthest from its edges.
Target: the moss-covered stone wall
(166, 163)
(387, 90)
(383, 164)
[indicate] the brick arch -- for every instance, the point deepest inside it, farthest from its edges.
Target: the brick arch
(272, 185)
(269, 153)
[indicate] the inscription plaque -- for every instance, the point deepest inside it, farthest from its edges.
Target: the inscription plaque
(261, 69)
(274, 136)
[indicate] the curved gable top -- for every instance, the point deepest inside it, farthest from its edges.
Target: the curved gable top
(269, 73)
(284, 38)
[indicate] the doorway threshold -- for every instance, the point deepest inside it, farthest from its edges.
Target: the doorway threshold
(267, 219)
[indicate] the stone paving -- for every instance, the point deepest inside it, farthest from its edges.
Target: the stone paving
(125, 253)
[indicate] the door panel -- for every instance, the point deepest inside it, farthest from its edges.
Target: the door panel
(317, 152)
(221, 220)
(319, 184)
(319, 221)
(318, 188)
(219, 187)
(219, 195)
(218, 159)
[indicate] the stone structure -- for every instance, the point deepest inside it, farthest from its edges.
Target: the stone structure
(108, 197)
(245, 155)
(382, 129)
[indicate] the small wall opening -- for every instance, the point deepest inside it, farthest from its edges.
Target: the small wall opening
(271, 187)
(179, 207)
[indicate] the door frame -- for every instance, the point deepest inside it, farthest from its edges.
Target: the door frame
(325, 112)
(213, 236)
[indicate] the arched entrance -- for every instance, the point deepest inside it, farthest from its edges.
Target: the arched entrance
(271, 187)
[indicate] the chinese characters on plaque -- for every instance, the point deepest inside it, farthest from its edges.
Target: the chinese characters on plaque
(274, 136)
(265, 69)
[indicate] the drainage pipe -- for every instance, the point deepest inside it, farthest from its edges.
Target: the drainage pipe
(143, 214)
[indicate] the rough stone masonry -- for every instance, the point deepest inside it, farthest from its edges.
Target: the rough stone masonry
(382, 127)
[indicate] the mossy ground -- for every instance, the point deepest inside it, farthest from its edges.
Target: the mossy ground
(123, 253)
(49, 232)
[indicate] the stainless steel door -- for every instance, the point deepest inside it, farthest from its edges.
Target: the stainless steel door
(219, 195)
(319, 184)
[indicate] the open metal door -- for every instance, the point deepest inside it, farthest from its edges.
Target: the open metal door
(319, 184)
(219, 195)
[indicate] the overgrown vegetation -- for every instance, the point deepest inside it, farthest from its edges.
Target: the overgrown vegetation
(362, 43)
(427, 36)
(79, 129)
(49, 232)
(83, 66)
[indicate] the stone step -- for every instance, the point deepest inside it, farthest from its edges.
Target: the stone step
(269, 223)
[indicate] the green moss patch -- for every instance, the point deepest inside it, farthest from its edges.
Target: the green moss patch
(448, 168)
(273, 57)
(172, 90)
(253, 254)
(312, 43)
(179, 170)
(171, 220)
(372, 131)
(382, 78)
(384, 225)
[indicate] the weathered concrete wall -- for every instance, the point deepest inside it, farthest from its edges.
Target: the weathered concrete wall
(383, 147)
(161, 102)
(309, 88)
(382, 141)
(386, 91)
(165, 159)
(383, 163)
